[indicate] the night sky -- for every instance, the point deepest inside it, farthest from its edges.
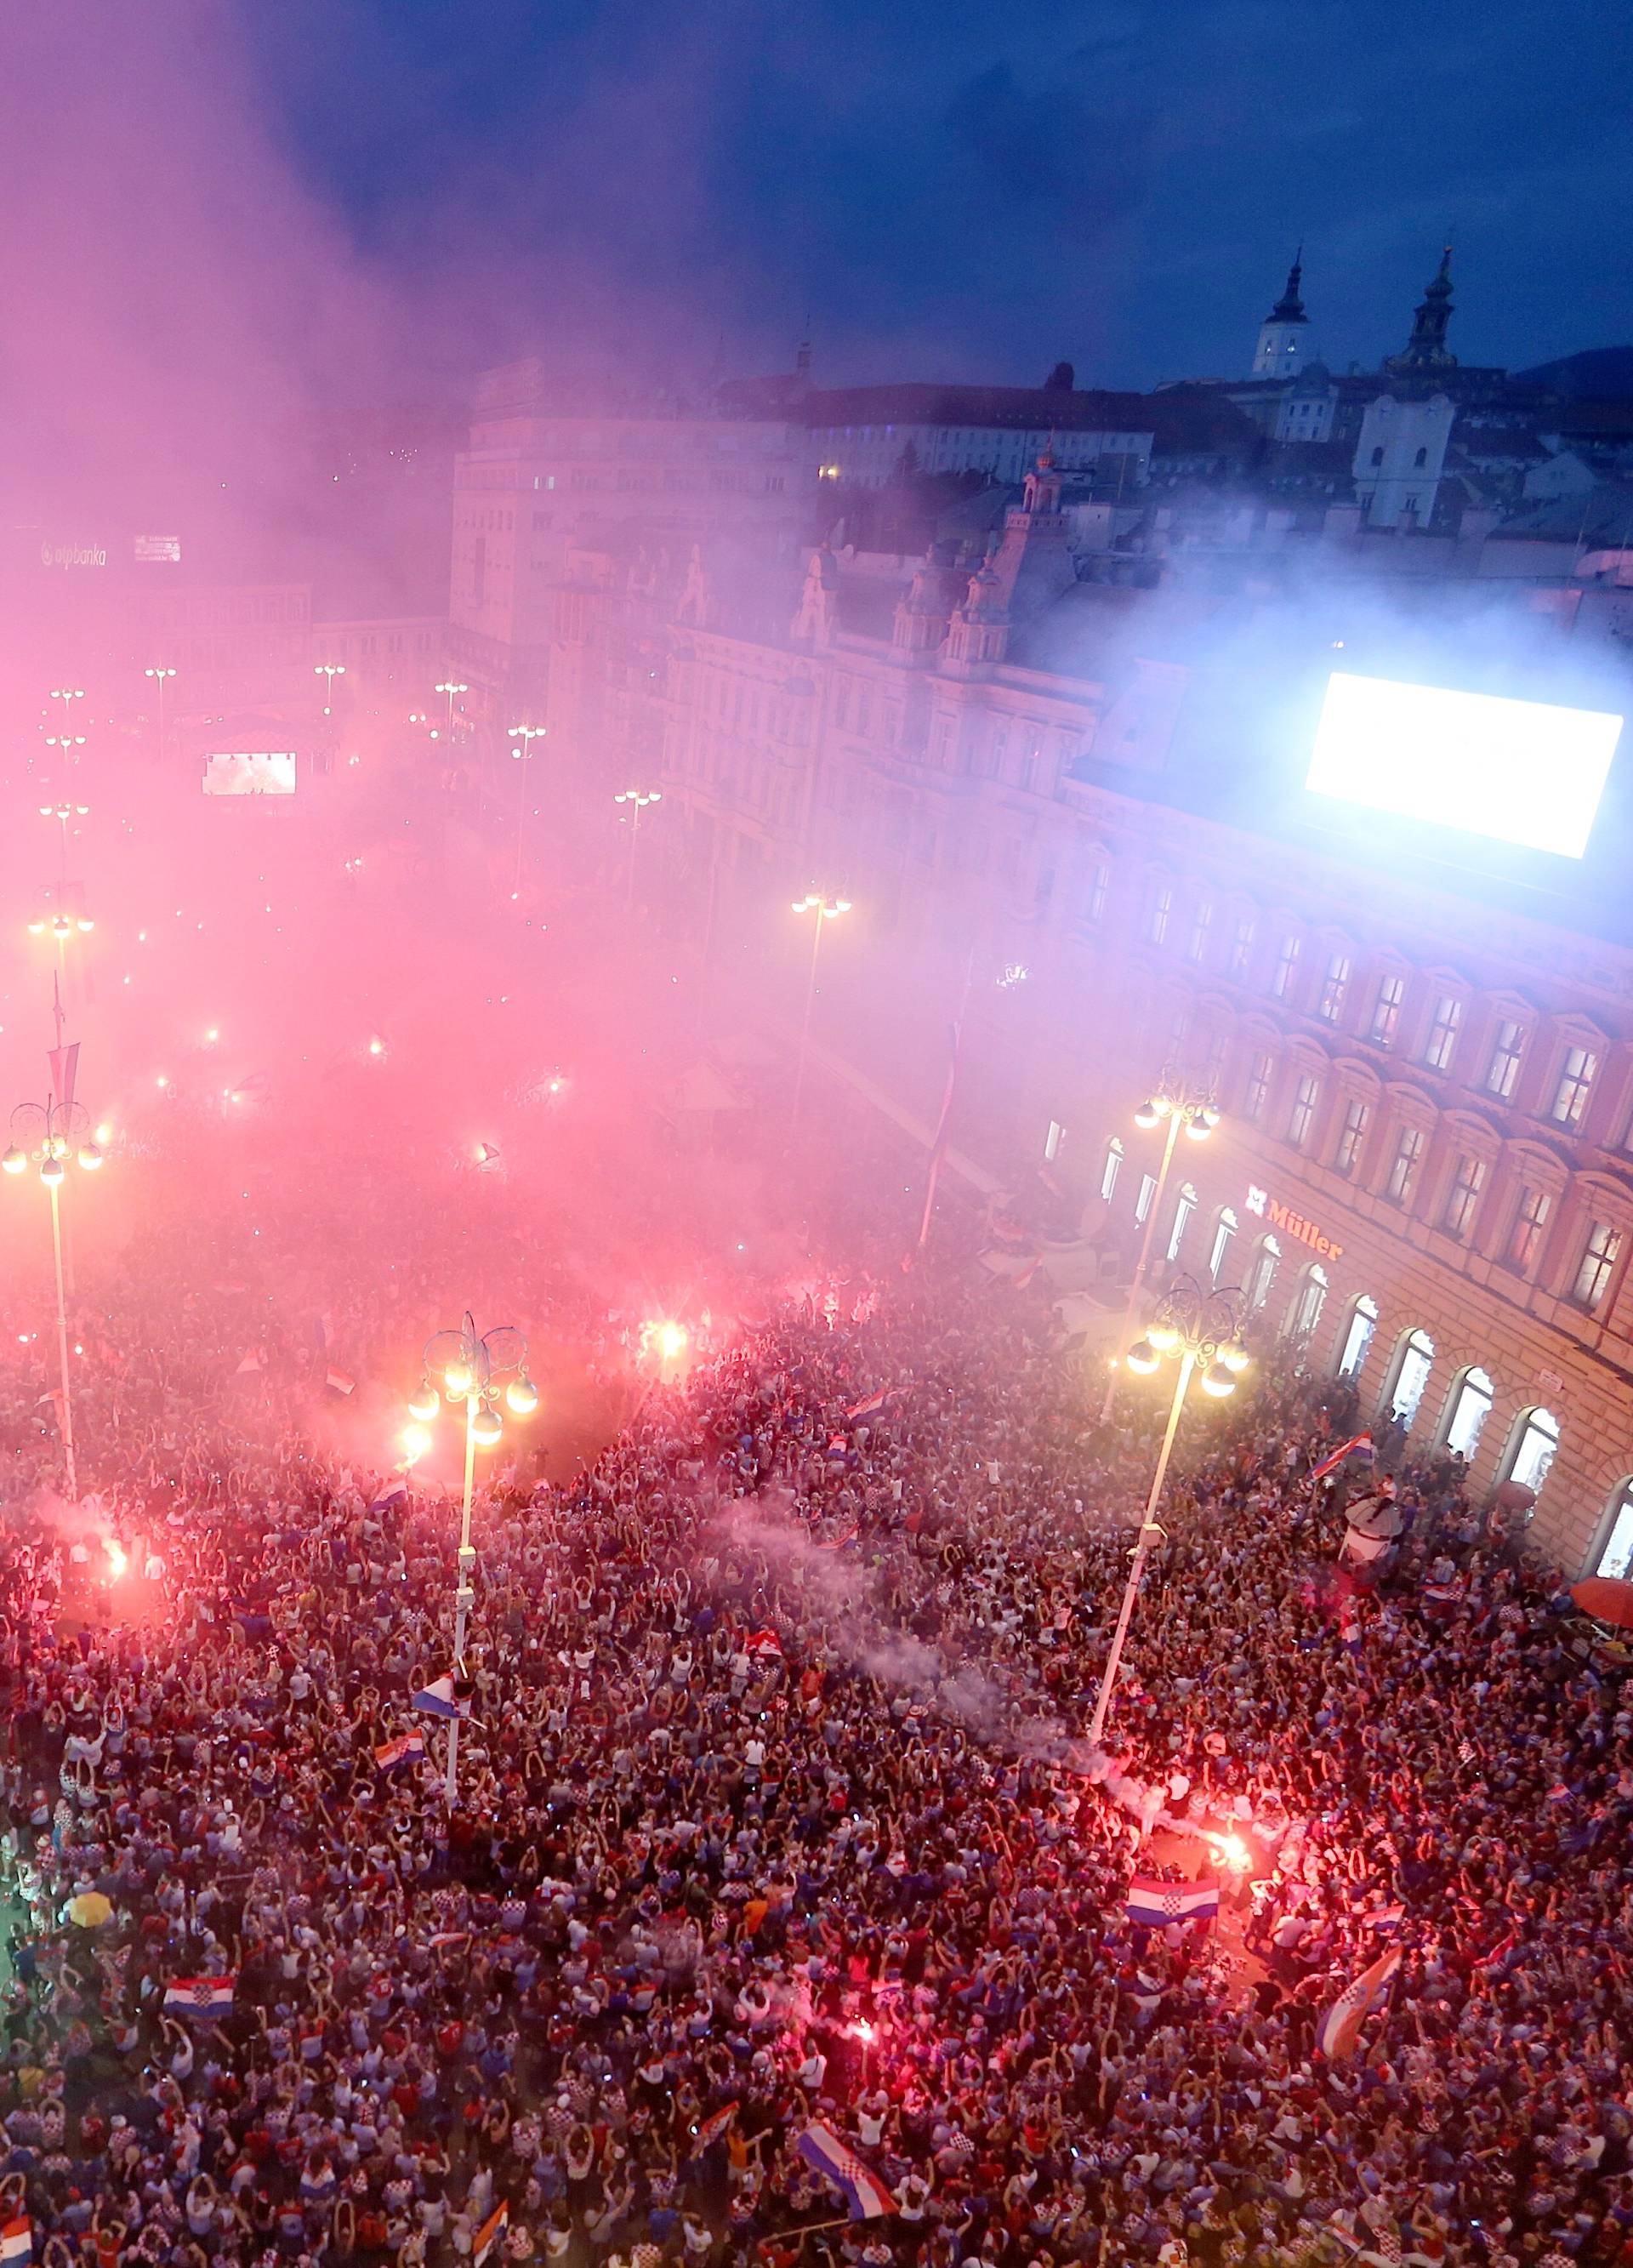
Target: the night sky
(949, 185)
(216, 208)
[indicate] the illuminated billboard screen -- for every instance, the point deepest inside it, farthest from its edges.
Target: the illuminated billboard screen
(249, 775)
(1520, 771)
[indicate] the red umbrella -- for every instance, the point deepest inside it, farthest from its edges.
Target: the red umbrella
(1607, 1598)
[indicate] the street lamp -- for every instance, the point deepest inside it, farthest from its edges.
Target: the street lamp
(526, 735)
(328, 671)
(824, 909)
(160, 676)
(1200, 1326)
(1193, 1115)
(45, 1135)
(451, 686)
(637, 797)
(460, 1367)
(65, 739)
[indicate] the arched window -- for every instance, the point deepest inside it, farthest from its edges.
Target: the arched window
(1311, 1299)
(1263, 1273)
(1182, 1213)
(1466, 1412)
(1111, 1168)
(1615, 1553)
(1536, 1444)
(1417, 1357)
(1358, 1337)
(1221, 1236)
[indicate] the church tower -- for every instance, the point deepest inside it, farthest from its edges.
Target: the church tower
(1283, 342)
(1426, 350)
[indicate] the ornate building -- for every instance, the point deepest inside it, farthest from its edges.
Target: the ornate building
(1425, 1174)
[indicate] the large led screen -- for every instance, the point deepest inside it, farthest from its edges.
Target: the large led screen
(1522, 771)
(249, 775)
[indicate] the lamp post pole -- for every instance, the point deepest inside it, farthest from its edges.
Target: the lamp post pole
(823, 910)
(44, 1136)
(1196, 1116)
(465, 1590)
(62, 1349)
(637, 797)
(1200, 1326)
(526, 735)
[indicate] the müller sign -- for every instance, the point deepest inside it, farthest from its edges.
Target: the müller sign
(1292, 1224)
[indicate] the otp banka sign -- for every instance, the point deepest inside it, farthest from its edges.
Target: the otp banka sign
(73, 554)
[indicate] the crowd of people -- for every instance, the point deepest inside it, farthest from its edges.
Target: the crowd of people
(775, 1819)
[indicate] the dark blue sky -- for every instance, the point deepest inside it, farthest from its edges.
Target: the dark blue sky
(950, 187)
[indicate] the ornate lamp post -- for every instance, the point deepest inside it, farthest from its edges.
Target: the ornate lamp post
(526, 735)
(463, 1367)
(45, 1135)
(328, 671)
(1200, 1326)
(161, 677)
(1182, 1111)
(637, 798)
(823, 910)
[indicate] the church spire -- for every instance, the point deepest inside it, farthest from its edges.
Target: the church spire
(1289, 307)
(1426, 349)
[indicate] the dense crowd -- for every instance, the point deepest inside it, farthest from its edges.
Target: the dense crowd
(776, 1813)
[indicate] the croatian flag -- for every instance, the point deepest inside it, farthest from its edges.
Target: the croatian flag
(16, 2239)
(1340, 2026)
(763, 1641)
(1386, 1919)
(710, 2129)
(874, 1401)
(338, 1383)
(199, 1996)
(439, 1938)
(489, 2234)
(438, 1699)
(250, 1365)
(836, 2161)
(1361, 1447)
(1155, 1904)
(398, 1495)
(408, 1748)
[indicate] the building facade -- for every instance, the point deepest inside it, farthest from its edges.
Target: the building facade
(1424, 1171)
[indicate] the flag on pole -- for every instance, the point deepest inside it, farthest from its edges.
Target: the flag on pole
(338, 1382)
(874, 1401)
(710, 2129)
(16, 2239)
(407, 1749)
(439, 1700)
(1340, 2026)
(199, 1996)
(489, 2234)
(1386, 1919)
(836, 2161)
(1360, 1446)
(64, 1072)
(393, 1496)
(1154, 1904)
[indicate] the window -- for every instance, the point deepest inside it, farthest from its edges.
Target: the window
(1577, 1075)
(1110, 1170)
(1358, 1337)
(1099, 882)
(1301, 1117)
(1162, 908)
(1417, 1356)
(1221, 1236)
(1263, 1273)
(1307, 1306)
(1463, 1197)
(1387, 1010)
(1470, 1407)
(1286, 967)
(1241, 945)
(1052, 1141)
(1615, 1554)
(1599, 1257)
(1525, 1238)
(1201, 921)
(1536, 1445)
(1143, 1203)
(1259, 1076)
(1420, 461)
(1378, 456)
(1408, 1155)
(1334, 984)
(1442, 1041)
(1182, 1213)
(1352, 1136)
(1503, 1071)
